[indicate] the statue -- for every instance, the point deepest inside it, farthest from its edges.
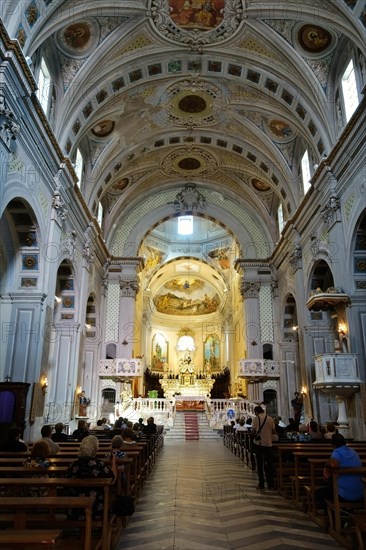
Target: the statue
(297, 402)
(83, 404)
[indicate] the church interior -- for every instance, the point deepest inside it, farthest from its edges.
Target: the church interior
(183, 206)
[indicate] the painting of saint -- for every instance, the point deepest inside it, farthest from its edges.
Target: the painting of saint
(212, 353)
(159, 352)
(197, 14)
(221, 256)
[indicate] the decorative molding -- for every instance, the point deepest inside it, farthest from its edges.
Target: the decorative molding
(58, 206)
(9, 128)
(331, 212)
(189, 200)
(295, 258)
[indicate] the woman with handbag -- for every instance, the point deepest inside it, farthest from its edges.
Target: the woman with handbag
(263, 428)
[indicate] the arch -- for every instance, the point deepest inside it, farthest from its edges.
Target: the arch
(270, 400)
(359, 253)
(65, 295)
(21, 260)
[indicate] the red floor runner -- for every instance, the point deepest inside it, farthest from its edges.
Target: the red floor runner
(191, 426)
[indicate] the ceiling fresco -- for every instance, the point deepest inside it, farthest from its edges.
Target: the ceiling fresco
(221, 94)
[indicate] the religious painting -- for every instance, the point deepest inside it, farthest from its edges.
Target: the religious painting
(221, 256)
(212, 353)
(154, 258)
(159, 353)
(189, 297)
(197, 14)
(313, 38)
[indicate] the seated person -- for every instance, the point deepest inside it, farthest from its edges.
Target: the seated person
(39, 455)
(241, 427)
(150, 428)
(39, 459)
(331, 429)
(350, 487)
(292, 425)
(105, 424)
(13, 443)
(89, 466)
(314, 431)
(46, 433)
(128, 436)
(99, 425)
(59, 434)
(81, 431)
(141, 422)
(115, 457)
(137, 430)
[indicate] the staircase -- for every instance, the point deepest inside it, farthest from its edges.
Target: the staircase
(191, 426)
(202, 428)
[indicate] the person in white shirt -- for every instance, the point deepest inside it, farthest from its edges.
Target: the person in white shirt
(46, 433)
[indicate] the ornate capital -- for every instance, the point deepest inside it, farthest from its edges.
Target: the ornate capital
(129, 287)
(250, 289)
(9, 128)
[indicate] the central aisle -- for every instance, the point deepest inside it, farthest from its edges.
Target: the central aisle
(201, 497)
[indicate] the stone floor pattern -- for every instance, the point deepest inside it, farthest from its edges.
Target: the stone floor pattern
(202, 497)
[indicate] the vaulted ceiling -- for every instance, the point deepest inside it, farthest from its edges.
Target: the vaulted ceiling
(159, 93)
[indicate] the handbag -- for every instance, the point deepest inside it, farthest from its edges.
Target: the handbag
(124, 505)
(257, 436)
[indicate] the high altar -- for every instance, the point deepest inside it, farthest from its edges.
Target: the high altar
(187, 382)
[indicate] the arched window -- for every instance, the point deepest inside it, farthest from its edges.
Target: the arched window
(305, 171)
(65, 293)
(270, 400)
(186, 343)
(44, 86)
(78, 166)
(349, 90)
(281, 222)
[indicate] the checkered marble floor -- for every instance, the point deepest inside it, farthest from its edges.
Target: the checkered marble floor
(202, 497)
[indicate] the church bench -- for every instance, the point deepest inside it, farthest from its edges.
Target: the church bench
(304, 470)
(24, 538)
(338, 512)
(289, 457)
(23, 511)
(9, 486)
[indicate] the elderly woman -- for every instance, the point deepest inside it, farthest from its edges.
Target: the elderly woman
(89, 466)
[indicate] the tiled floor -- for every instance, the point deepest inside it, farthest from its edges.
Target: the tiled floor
(201, 497)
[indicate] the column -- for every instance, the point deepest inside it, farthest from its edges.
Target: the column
(129, 329)
(252, 332)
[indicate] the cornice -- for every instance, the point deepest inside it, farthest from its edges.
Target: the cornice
(13, 45)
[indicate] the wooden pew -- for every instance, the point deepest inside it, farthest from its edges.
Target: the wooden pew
(286, 462)
(22, 512)
(338, 511)
(45, 538)
(53, 485)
